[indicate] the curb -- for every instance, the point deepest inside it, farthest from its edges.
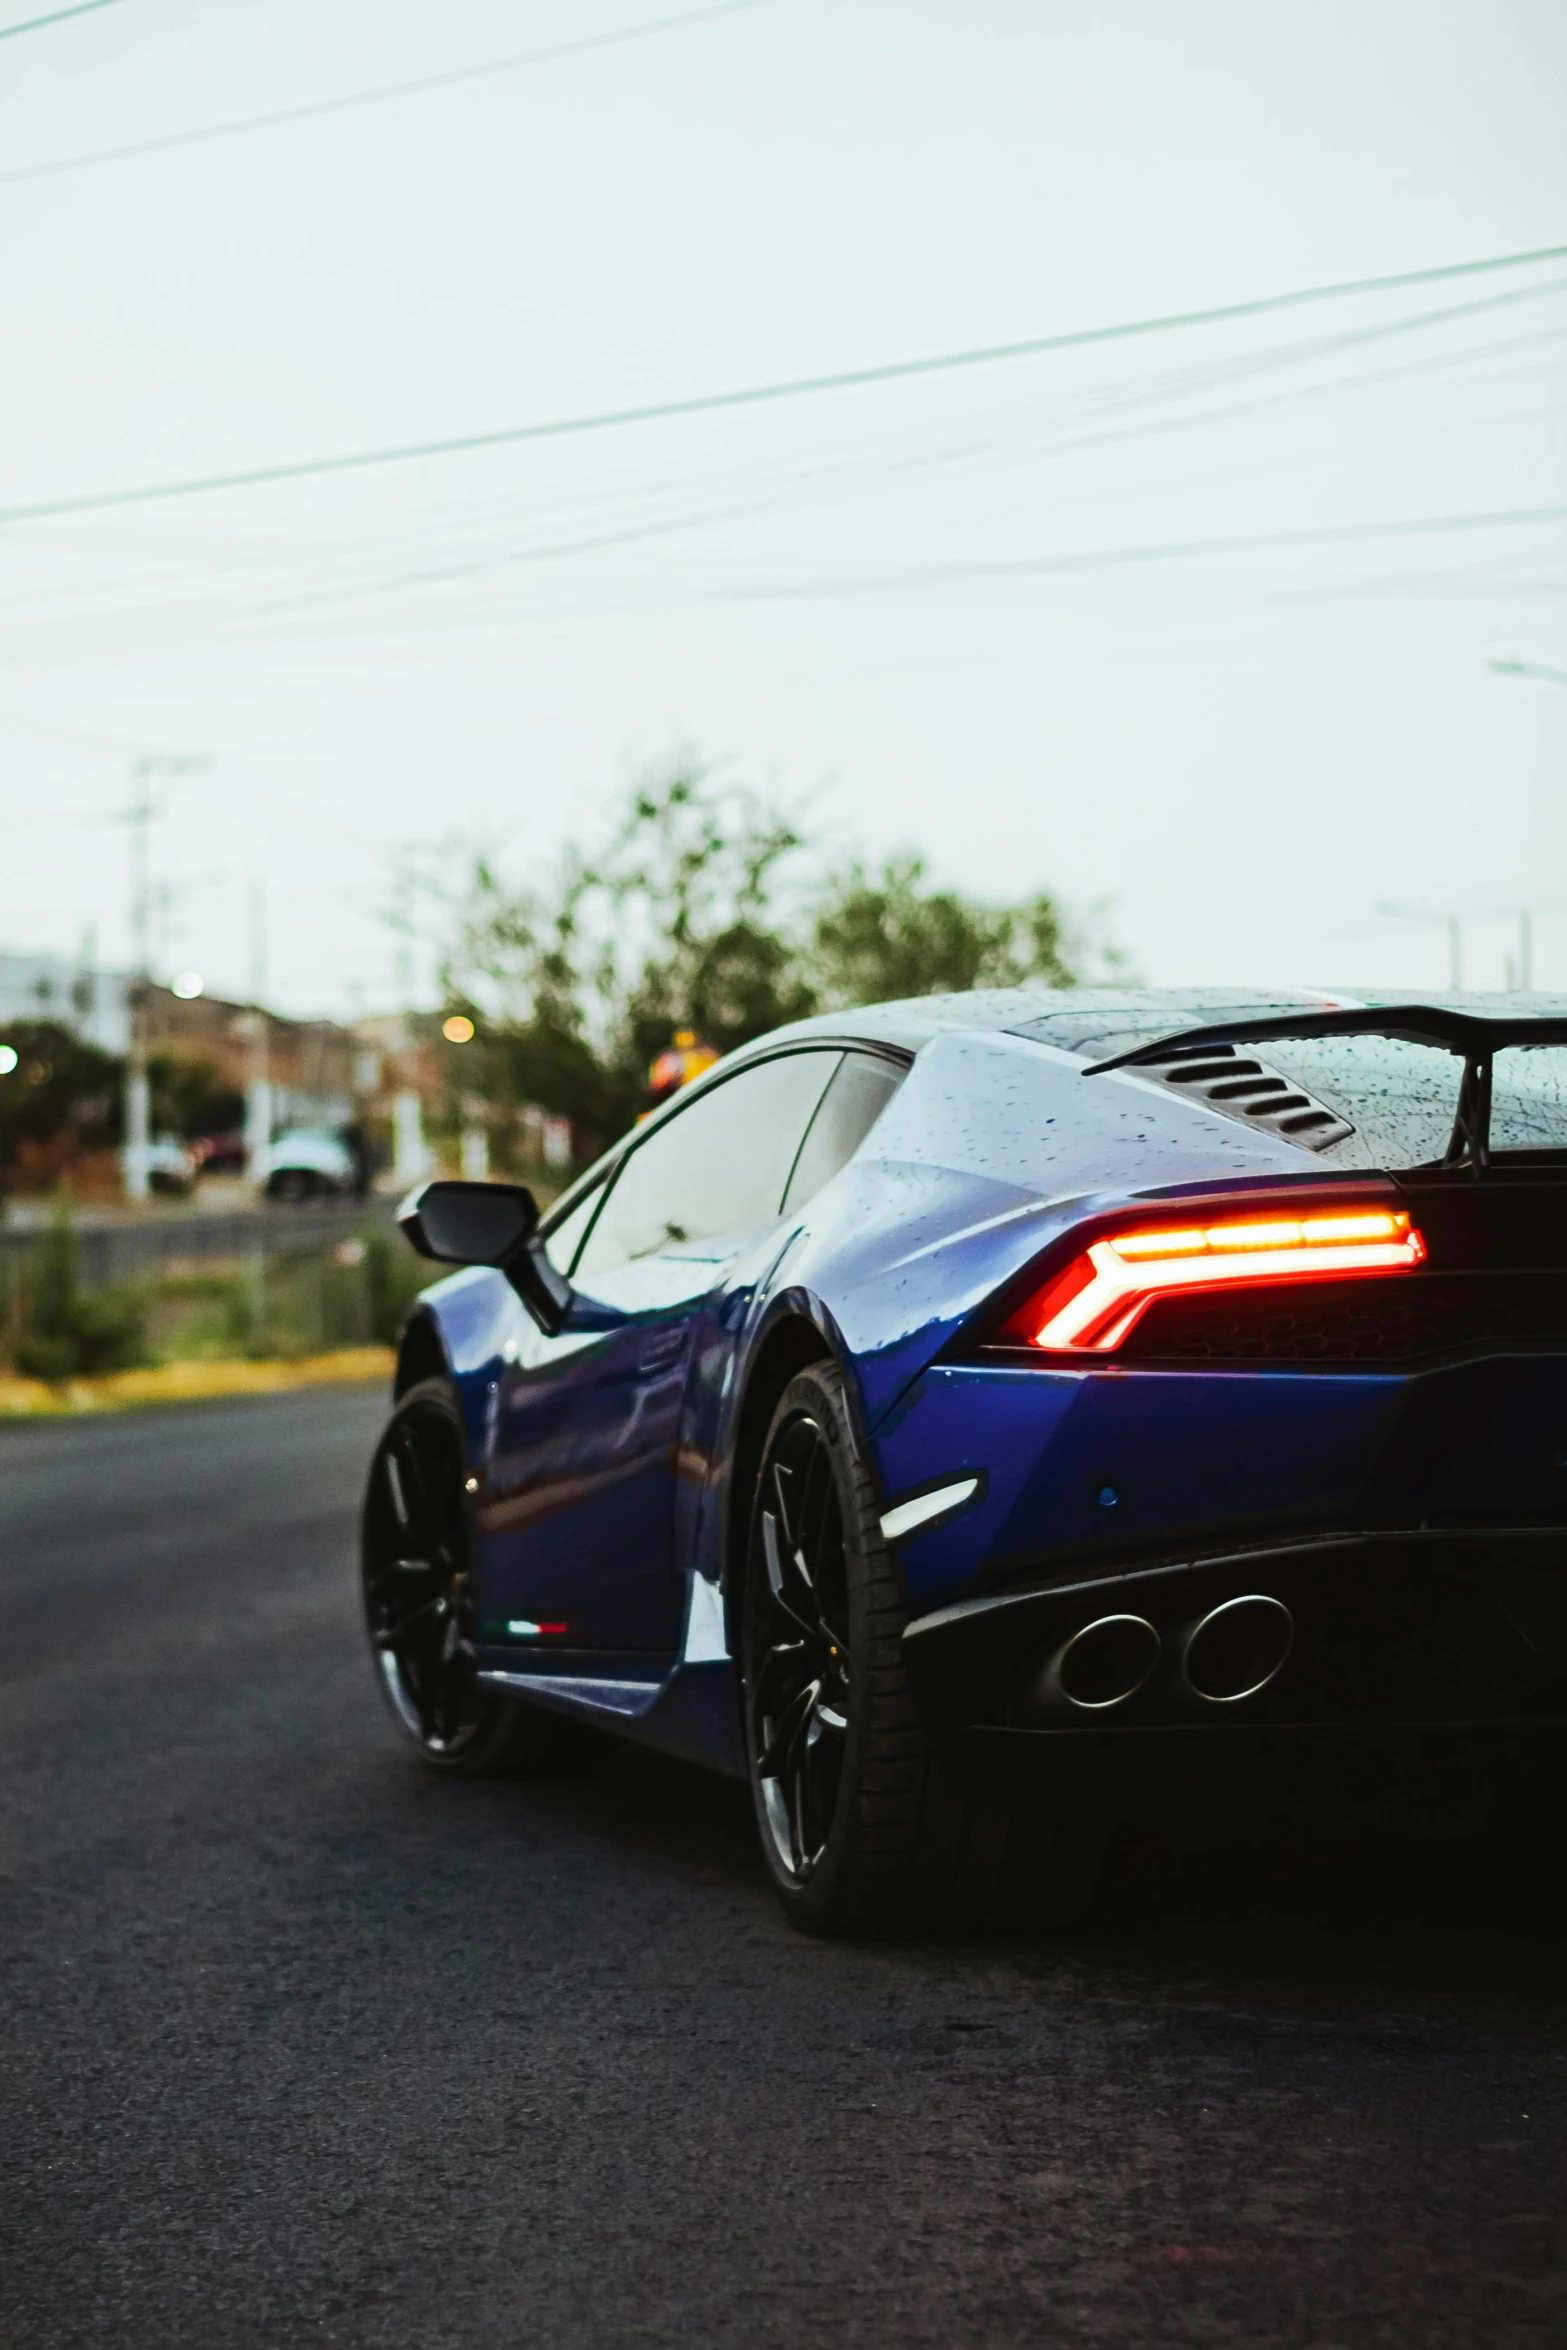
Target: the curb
(118, 1391)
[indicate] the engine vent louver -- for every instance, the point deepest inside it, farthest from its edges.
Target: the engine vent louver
(1229, 1079)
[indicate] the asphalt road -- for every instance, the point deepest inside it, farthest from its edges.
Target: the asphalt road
(301, 2046)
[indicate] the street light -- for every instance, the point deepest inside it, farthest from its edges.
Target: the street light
(1546, 673)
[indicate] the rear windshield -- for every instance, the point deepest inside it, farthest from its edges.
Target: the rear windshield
(1402, 1098)
(1529, 1098)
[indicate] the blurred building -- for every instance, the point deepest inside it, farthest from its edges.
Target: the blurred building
(94, 1005)
(307, 1065)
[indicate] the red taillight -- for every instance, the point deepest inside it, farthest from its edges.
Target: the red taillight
(1095, 1300)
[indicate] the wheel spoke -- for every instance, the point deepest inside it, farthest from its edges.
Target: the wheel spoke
(394, 1486)
(397, 1573)
(803, 1617)
(422, 1517)
(813, 1510)
(785, 1725)
(415, 1628)
(779, 1671)
(798, 1697)
(421, 1688)
(417, 1583)
(801, 1790)
(783, 1479)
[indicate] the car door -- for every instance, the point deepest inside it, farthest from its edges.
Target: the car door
(578, 1518)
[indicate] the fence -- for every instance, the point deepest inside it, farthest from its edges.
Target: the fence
(105, 1294)
(112, 1250)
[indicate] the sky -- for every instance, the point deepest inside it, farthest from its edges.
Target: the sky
(1195, 627)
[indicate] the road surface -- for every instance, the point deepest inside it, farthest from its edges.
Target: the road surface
(301, 2046)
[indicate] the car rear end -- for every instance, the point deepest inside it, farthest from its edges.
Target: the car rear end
(1264, 1474)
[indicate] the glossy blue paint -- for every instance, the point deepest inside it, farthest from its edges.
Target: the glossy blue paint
(605, 1451)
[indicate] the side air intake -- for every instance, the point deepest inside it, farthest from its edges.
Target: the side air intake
(1234, 1081)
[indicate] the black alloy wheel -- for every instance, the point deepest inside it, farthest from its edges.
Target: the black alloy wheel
(799, 1711)
(865, 1828)
(418, 1575)
(418, 1581)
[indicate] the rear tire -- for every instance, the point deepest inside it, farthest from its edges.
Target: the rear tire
(418, 1584)
(865, 1829)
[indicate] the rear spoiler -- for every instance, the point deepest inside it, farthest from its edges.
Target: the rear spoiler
(1477, 1036)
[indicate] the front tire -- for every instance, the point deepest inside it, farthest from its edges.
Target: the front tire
(418, 1583)
(865, 1830)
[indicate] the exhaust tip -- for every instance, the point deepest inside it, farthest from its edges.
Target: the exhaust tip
(1237, 1649)
(1102, 1665)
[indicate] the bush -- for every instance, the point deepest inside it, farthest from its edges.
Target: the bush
(61, 1092)
(58, 1332)
(393, 1277)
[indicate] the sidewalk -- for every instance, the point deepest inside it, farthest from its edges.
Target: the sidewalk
(120, 1391)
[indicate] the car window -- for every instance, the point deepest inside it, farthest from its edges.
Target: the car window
(847, 1111)
(718, 1164)
(563, 1240)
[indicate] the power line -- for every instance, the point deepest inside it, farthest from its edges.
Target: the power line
(381, 95)
(457, 565)
(1075, 561)
(1178, 551)
(36, 24)
(1546, 670)
(451, 571)
(757, 395)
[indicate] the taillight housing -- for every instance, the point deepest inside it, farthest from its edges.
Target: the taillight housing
(1089, 1303)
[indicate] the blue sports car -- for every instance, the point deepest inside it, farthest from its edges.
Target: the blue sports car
(978, 1420)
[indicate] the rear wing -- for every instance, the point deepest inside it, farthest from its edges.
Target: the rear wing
(1475, 1036)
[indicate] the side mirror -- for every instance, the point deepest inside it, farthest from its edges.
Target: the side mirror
(487, 1224)
(469, 1223)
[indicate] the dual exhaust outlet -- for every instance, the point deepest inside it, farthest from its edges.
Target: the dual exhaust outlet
(1225, 1656)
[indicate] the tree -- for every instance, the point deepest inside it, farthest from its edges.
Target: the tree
(880, 937)
(688, 919)
(59, 1089)
(585, 977)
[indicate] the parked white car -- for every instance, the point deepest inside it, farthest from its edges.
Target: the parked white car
(308, 1162)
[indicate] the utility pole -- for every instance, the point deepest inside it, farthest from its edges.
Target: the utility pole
(1451, 923)
(139, 816)
(258, 1085)
(137, 1091)
(1520, 972)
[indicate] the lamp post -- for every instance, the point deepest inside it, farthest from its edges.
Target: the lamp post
(1545, 673)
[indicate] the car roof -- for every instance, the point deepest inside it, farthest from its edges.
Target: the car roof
(1094, 1023)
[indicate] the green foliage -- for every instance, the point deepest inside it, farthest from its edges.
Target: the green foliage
(686, 920)
(392, 1278)
(349, 1294)
(58, 1082)
(671, 926)
(56, 1330)
(879, 937)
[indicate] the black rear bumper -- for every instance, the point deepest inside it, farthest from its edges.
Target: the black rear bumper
(1408, 1631)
